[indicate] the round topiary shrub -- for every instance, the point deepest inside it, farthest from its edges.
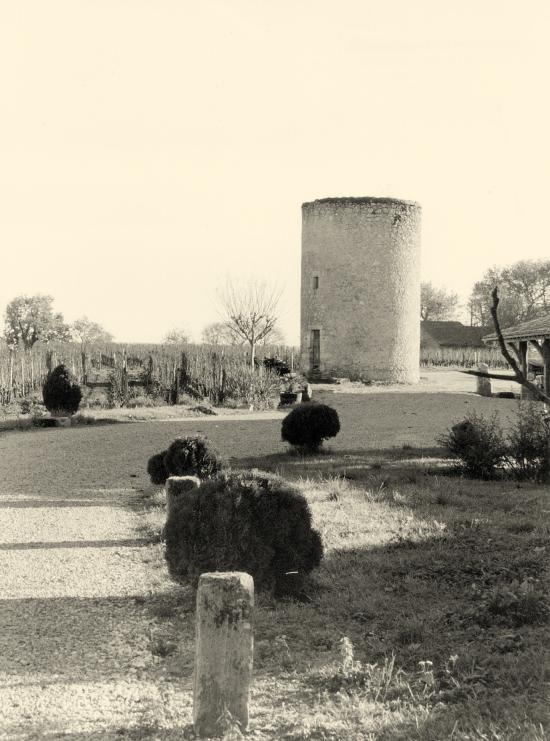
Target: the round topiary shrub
(247, 521)
(192, 456)
(309, 424)
(156, 468)
(186, 456)
(61, 394)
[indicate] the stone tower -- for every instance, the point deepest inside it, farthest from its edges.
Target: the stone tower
(360, 302)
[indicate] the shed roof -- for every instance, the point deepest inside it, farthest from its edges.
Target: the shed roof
(534, 329)
(451, 334)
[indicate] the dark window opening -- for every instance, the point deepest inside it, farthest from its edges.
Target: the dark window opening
(315, 282)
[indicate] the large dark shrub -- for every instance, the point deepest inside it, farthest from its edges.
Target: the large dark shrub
(309, 424)
(249, 521)
(61, 394)
(478, 443)
(186, 456)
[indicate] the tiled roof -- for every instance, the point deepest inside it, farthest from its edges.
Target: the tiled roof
(450, 334)
(531, 330)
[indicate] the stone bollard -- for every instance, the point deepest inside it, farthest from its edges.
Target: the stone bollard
(223, 651)
(483, 384)
(176, 486)
(307, 393)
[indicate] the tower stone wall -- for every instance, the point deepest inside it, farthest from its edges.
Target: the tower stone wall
(360, 293)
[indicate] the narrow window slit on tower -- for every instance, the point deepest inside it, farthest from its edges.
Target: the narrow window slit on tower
(315, 282)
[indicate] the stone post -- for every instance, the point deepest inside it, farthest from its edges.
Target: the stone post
(223, 651)
(483, 384)
(177, 486)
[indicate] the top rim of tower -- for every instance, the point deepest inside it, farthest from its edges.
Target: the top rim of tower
(361, 200)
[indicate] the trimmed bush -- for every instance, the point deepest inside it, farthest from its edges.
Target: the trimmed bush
(309, 424)
(186, 456)
(156, 468)
(248, 521)
(61, 394)
(192, 456)
(478, 443)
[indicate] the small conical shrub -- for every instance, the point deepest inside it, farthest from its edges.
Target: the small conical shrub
(186, 456)
(309, 424)
(61, 394)
(247, 521)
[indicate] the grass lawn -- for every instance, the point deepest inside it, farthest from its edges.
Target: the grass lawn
(428, 618)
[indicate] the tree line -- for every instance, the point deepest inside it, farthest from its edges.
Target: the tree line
(249, 310)
(524, 290)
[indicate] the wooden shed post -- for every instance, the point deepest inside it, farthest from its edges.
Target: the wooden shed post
(546, 358)
(524, 365)
(223, 651)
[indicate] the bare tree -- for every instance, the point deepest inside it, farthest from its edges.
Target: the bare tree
(176, 336)
(250, 311)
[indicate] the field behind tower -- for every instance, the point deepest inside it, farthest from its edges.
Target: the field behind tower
(425, 621)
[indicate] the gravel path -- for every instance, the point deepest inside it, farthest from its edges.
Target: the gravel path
(78, 636)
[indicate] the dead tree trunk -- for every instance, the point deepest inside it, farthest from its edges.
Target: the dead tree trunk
(523, 380)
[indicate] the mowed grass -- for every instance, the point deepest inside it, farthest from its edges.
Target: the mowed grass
(428, 618)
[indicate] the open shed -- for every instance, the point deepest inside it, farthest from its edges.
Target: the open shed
(534, 333)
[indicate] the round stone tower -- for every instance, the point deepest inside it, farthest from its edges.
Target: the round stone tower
(360, 303)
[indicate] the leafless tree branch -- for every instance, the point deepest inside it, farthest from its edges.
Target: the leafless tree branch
(520, 376)
(250, 311)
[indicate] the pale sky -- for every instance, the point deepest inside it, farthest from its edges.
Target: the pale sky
(150, 148)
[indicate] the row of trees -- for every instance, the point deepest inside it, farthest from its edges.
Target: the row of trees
(524, 290)
(250, 312)
(30, 319)
(524, 293)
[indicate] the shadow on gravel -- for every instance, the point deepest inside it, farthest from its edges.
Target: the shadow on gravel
(73, 640)
(122, 543)
(47, 503)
